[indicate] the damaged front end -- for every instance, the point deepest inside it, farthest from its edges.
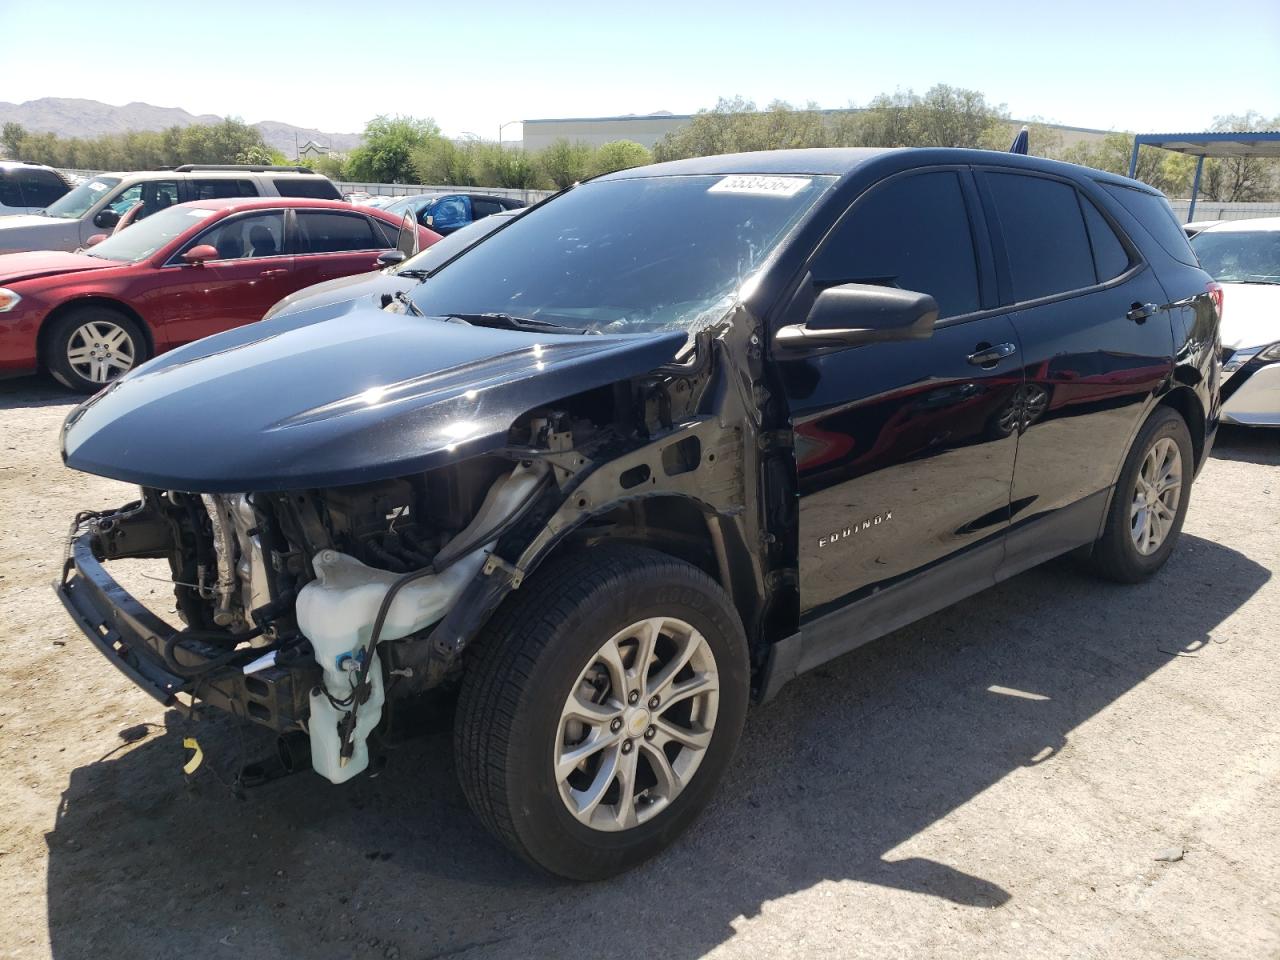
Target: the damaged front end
(334, 588)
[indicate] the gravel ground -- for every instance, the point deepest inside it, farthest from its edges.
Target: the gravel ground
(999, 780)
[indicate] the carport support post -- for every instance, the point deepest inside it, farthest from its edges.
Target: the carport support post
(1133, 157)
(1195, 188)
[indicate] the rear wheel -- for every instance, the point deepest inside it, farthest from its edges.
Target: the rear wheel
(1150, 501)
(601, 708)
(89, 347)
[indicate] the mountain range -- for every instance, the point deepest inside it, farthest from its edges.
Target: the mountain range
(74, 117)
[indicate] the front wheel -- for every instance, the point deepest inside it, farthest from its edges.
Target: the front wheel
(1150, 501)
(600, 709)
(88, 347)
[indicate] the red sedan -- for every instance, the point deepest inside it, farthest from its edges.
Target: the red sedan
(183, 273)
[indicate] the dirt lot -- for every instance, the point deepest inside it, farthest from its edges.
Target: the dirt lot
(997, 780)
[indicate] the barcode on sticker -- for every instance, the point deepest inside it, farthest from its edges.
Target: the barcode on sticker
(754, 183)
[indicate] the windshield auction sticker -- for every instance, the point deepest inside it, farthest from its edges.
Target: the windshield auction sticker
(760, 185)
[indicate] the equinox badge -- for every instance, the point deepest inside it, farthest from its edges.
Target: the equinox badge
(849, 531)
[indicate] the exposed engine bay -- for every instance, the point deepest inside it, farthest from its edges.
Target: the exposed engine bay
(312, 611)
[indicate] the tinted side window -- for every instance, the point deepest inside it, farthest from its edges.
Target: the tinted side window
(912, 233)
(10, 195)
(1154, 213)
(313, 188)
(1110, 259)
(1044, 235)
(219, 189)
(483, 207)
(385, 231)
(336, 232)
(41, 187)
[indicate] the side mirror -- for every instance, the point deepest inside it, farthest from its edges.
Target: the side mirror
(390, 258)
(198, 254)
(106, 218)
(96, 239)
(852, 314)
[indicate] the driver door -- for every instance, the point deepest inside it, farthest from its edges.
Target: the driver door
(905, 450)
(253, 270)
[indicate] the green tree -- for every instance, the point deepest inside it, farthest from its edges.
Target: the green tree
(565, 163)
(389, 149)
(11, 137)
(1241, 178)
(618, 155)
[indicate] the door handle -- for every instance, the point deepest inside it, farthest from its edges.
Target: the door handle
(985, 355)
(278, 272)
(1139, 312)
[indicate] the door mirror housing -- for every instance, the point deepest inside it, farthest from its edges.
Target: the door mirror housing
(106, 218)
(198, 254)
(390, 258)
(852, 314)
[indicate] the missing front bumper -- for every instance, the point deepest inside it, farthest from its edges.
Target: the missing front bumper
(133, 639)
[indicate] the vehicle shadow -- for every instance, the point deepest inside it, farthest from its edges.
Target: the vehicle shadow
(1260, 445)
(848, 763)
(39, 390)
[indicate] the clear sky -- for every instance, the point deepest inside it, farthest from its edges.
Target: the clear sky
(1167, 66)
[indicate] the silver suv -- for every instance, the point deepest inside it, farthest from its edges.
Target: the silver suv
(27, 187)
(97, 205)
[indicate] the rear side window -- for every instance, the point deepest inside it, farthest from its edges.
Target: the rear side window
(41, 187)
(313, 188)
(1156, 216)
(1044, 235)
(10, 195)
(1110, 258)
(337, 232)
(484, 207)
(911, 233)
(220, 189)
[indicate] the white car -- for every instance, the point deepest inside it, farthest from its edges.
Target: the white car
(1244, 256)
(27, 187)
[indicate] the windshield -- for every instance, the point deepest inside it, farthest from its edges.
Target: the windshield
(74, 205)
(407, 204)
(140, 240)
(1239, 256)
(627, 256)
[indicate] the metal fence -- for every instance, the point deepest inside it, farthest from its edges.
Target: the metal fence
(1218, 210)
(1205, 209)
(410, 189)
(387, 189)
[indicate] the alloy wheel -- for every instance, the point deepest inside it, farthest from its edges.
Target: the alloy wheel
(1156, 494)
(636, 724)
(100, 351)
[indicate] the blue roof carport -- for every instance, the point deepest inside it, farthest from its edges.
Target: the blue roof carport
(1264, 143)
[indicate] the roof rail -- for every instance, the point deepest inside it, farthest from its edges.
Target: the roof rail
(241, 167)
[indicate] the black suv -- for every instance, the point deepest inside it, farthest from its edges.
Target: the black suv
(645, 453)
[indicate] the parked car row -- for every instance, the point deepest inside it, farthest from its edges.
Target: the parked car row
(610, 468)
(183, 273)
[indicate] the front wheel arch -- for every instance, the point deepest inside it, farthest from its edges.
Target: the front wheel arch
(70, 306)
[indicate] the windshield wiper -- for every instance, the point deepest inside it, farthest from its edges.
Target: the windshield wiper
(504, 321)
(409, 306)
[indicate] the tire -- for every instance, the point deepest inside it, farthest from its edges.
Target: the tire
(1120, 553)
(546, 643)
(109, 342)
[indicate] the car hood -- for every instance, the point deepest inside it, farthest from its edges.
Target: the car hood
(1250, 314)
(37, 233)
(42, 263)
(342, 292)
(27, 220)
(295, 402)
